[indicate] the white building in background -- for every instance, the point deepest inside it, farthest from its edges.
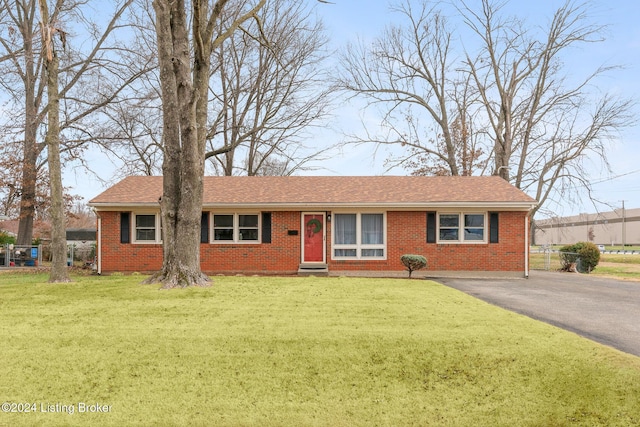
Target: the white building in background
(606, 228)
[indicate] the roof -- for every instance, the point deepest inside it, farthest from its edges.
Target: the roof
(81, 234)
(9, 226)
(327, 191)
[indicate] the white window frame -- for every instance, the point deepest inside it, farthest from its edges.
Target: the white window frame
(157, 228)
(236, 228)
(359, 246)
(461, 227)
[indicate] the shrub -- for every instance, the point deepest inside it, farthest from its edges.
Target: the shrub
(6, 238)
(589, 255)
(568, 258)
(584, 255)
(413, 262)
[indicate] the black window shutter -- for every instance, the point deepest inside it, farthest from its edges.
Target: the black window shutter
(431, 227)
(493, 227)
(204, 228)
(266, 227)
(125, 227)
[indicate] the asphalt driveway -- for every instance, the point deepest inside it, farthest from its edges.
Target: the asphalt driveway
(604, 310)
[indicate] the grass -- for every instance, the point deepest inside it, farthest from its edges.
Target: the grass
(619, 266)
(620, 259)
(255, 351)
(628, 248)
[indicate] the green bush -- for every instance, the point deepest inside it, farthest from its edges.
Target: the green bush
(413, 262)
(5, 238)
(589, 255)
(584, 255)
(568, 258)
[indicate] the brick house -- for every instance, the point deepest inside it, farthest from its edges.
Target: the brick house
(327, 225)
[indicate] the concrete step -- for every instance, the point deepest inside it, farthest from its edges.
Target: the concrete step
(315, 269)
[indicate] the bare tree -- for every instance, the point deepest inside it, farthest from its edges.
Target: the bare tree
(58, 271)
(466, 141)
(544, 124)
(268, 89)
(10, 191)
(185, 71)
(10, 182)
(470, 156)
(90, 76)
(410, 74)
(132, 136)
(130, 133)
(185, 68)
(534, 123)
(20, 53)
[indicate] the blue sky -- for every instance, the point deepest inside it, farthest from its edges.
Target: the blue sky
(347, 20)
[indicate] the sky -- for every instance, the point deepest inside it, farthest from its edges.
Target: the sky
(348, 20)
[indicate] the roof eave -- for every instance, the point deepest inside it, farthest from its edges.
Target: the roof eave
(520, 206)
(108, 206)
(524, 206)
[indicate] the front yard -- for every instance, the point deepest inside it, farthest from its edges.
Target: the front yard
(256, 351)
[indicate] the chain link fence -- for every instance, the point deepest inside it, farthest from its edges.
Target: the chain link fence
(12, 255)
(20, 256)
(547, 259)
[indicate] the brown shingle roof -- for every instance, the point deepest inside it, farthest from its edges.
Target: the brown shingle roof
(327, 191)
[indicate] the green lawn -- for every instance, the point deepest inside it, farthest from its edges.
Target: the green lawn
(620, 258)
(255, 351)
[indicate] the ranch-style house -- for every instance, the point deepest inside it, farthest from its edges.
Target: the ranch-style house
(335, 225)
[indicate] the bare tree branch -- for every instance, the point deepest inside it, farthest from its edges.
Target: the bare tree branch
(518, 109)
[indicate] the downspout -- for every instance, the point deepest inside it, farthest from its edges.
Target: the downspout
(99, 245)
(526, 245)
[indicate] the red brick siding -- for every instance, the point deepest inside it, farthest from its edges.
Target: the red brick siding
(406, 234)
(281, 256)
(125, 257)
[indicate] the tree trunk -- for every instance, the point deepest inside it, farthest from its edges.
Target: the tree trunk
(28, 187)
(59, 271)
(183, 165)
(29, 147)
(185, 89)
(85, 90)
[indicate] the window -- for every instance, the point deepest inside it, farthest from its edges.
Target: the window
(147, 228)
(474, 227)
(359, 236)
(223, 227)
(248, 227)
(461, 227)
(449, 227)
(235, 227)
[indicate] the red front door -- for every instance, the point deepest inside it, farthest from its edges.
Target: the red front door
(313, 237)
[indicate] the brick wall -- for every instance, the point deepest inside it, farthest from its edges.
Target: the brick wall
(125, 257)
(281, 256)
(406, 234)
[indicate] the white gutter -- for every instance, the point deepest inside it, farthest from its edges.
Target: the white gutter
(501, 206)
(378, 205)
